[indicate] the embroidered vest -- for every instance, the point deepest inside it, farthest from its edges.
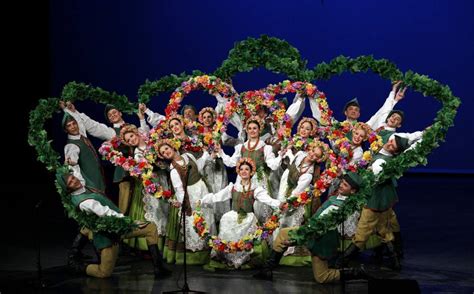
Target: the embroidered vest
(242, 201)
(100, 239)
(384, 195)
(91, 169)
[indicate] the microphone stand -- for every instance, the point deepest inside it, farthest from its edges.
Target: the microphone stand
(185, 288)
(40, 283)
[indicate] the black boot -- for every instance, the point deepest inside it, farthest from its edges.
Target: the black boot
(354, 273)
(351, 252)
(378, 254)
(75, 253)
(77, 266)
(394, 260)
(266, 273)
(158, 264)
(398, 244)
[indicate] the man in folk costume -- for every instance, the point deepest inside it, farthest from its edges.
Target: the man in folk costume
(324, 247)
(376, 215)
(82, 157)
(352, 109)
(89, 202)
(103, 132)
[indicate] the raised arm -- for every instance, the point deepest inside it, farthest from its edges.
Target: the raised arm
(380, 116)
(222, 195)
(262, 196)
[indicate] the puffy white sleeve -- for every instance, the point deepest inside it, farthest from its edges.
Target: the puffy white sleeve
(315, 110)
(144, 128)
(231, 161)
(154, 118)
(72, 151)
(222, 195)
(357, 155)
(177, 185)
(303, 182)
(380, 116)
(272, 162)
(94, 206)
(296, 108)
(262, 196)
(377, 166)
(94, 128)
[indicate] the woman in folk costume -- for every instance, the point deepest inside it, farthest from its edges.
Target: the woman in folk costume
(214, 172)
(307, 132)
(176, 125)
(358, 135)
(188, 188)
(143, 206)
(303, 170)
(263, 156)
(240, 221)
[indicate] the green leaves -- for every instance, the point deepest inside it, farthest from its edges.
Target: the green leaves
(277, 56)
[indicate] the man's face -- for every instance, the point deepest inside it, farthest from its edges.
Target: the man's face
(73, 183)
(189, 114)
(391, 146)
(72, 128)
(352, 112)
(114, 116)
(345, 188)
(394, 121)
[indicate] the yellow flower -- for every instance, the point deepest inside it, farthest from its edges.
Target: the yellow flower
(366, 156)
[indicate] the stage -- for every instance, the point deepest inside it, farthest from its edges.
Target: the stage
(437, 238)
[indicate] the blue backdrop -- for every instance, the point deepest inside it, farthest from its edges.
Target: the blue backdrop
(117, 45)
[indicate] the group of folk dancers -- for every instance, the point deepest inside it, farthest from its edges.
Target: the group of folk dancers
(267, 175)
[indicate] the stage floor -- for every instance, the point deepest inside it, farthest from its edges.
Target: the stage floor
(435, 213)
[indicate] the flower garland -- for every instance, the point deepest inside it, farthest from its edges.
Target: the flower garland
(214, 86)
(247, 243)
(137, 168)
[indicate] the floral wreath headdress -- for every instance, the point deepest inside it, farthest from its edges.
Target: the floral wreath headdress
(129, 128)
(204, 110)
(175, 144)
(312, 121)
(365, 127)
(325, 150)
(248, 161)
(255, 119)
(175, 117)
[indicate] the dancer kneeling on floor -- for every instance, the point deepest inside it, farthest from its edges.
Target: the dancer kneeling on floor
(322, 248)
(95, 203)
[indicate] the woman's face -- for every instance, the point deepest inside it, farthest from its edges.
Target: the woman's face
(315, 154)
(132, 139)
(176, 127)
(253, 130)
(358, 136)
(207, 119)
(167, 152)
(245, 171)
(305, 130)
